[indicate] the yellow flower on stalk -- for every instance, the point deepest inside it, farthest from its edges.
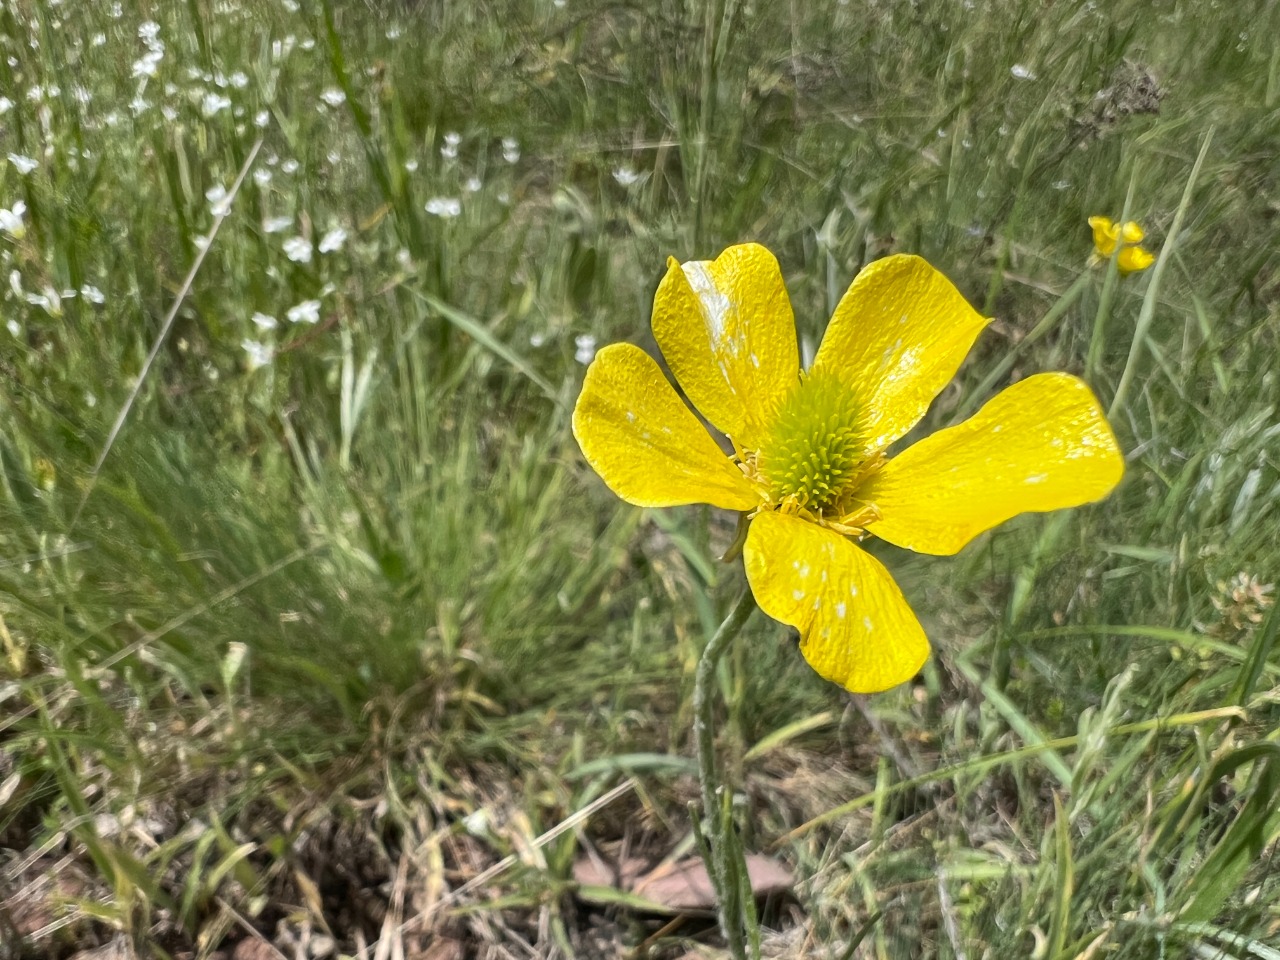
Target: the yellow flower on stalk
(810, 465)
(1131, 258)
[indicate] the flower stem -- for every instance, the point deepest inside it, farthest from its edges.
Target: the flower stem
(728, 897)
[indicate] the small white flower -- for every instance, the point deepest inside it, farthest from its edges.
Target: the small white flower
(1022, 72)
(11, 220)
(290, 5)
(148, 63)
(201, 242)
(308, 311)
(404, 258)
(260, 354)
(446, 207)
(139, 106)
(15, 283)
(264, 321)
(450, 148)
(289, 166)
(395, 33)
(48, 300)
(5, 105)
(219, 202)
(14, 328)
(334, 158)
(333, 240)
(148, 30)
(213, 103)
(410, 166)
(510, 149)
(626, 176)
(99, 40)
(298, 249)
(537, 339)
(262, 176)
(472, 185)
(24, 165)
(276, 224)
(239, 79)
(261, 119)
(585, 348)
(93, 294)
(334, 97)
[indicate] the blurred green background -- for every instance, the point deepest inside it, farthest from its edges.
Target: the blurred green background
(343, 580)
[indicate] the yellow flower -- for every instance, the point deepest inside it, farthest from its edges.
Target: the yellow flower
(1107, 234)
(810, 463)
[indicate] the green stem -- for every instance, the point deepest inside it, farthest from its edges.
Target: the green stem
(1094, 358)
(1046, 324)
(728, 900)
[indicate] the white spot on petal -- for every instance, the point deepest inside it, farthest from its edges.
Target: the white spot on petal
(840, 609)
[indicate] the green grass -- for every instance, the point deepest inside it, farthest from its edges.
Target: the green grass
(308, 617)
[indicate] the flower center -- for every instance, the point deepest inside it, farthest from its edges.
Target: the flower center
(815, 451)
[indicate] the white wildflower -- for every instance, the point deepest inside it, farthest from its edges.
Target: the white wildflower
(11, 220)
(14, 328)
(5, 105)
(289, 166)
(261, 119)
(411, 166)
(333, 240)
(276, 224)
(585, 348)
(260, 354)
(333, 97)
(626, 176)
(213, 103)
(264, 321)
(298, 249)
(93, 294)
(219, 202)
(450, 149)
(24, 165)
(510, 149)
(446, 207)
(1022, 72)
(262, 176)
(308, 311)
(472, 185)
(48, 300)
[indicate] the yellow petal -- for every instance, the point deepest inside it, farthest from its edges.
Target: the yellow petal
(900, 332)
(1133, 259)
(1041, 444)
(1105, 235)
(856, 628)
(647, 446)
(727, 331)
(1131, 232)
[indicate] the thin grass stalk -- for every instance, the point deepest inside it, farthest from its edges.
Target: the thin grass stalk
(1098, 337)
(728, 898)
(1038, 332)
(1148, 311)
